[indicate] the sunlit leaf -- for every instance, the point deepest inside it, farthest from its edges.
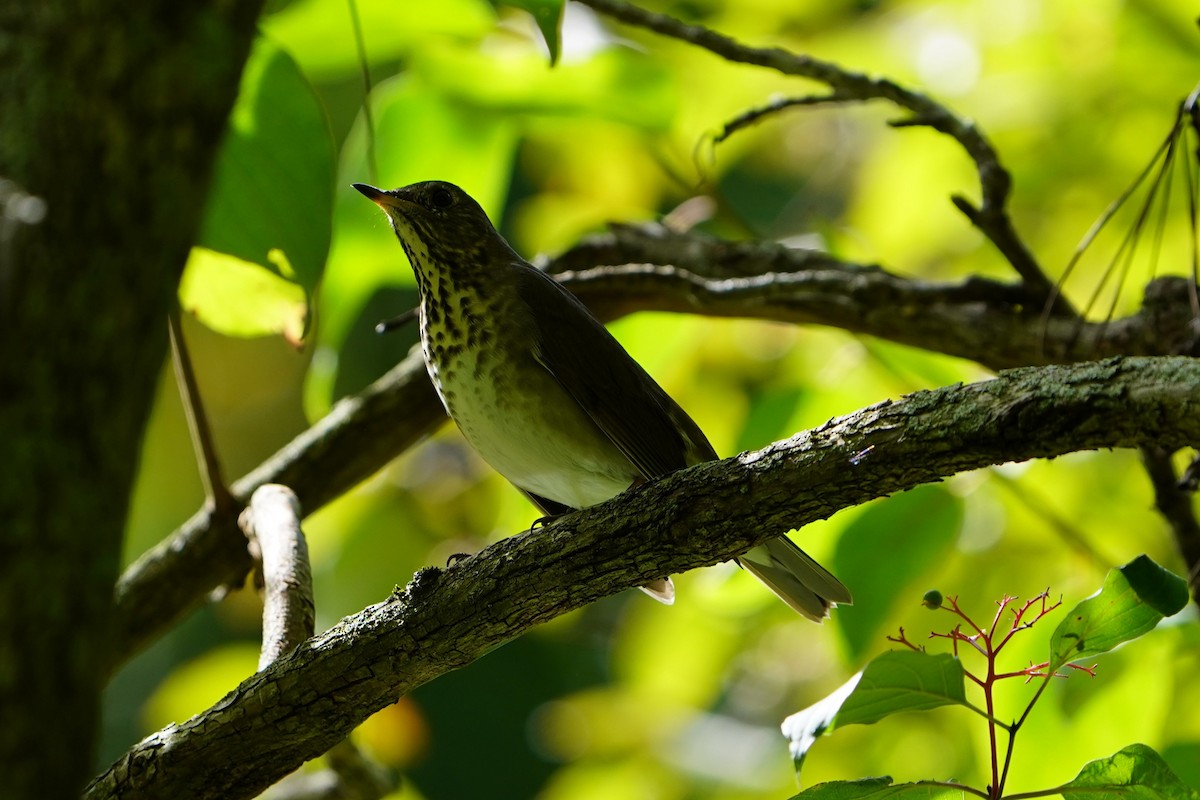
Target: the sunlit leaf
(892, 683)
(1135, 772)
(319, 33)
(877, 789)
(273, 187)
(803, 727)
(237, 298)
(1134, 599)
(915, 529)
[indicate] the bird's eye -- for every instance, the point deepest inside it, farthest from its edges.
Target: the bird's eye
(441, 198)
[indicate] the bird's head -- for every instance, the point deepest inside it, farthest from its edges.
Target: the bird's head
(441, 227)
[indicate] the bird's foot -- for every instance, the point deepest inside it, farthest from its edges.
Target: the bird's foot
(542, 522)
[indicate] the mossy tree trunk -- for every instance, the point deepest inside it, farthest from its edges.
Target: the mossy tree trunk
(110, 114)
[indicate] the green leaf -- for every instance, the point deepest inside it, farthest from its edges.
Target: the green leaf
(1135, 772)
(880, 582)
(1134, 599)
(894, 682)
(1157, 587)
(904, 681)
(872, 788)
(273, 186)
(548, 15)
(237, 298)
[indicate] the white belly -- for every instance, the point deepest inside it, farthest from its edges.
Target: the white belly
(576, 465)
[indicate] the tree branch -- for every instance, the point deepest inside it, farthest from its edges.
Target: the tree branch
(999, 325)
(991, 217)
(995, 324)
(444, 619)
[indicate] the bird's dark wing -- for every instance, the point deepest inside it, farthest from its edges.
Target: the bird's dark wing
(551, 508)
(633, 411)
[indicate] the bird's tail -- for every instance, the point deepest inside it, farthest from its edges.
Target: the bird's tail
(662, 590)
(799, 581)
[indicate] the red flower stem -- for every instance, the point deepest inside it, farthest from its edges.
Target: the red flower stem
(1012, 734)
(996, 786)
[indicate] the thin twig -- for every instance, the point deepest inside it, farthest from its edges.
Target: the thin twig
(756, 115)
(1122, 260)
(193, 406)
(1189, 173)
(398, 321)
(1160, 171)
(1106, 216)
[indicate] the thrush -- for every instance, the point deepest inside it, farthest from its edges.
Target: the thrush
(542, 390)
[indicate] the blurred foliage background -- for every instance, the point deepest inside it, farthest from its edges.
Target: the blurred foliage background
(627, 698)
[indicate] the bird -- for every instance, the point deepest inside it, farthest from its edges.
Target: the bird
(543, 391)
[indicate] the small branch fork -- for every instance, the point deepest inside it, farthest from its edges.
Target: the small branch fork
(989, 641)
(272, 524)
(990, 216)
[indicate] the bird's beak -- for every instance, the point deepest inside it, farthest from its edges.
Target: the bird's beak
(377, 196)
(385, 200)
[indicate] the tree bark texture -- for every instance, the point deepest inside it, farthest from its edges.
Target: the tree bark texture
(308, 700)
(112, 116)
